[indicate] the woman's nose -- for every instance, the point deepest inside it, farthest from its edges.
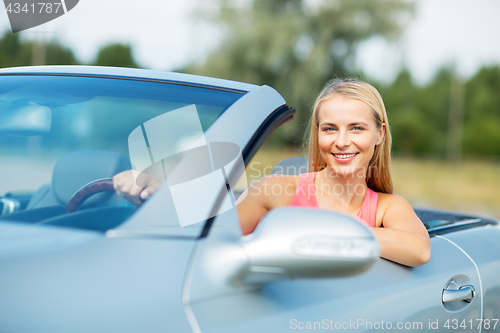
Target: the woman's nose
(342, 139)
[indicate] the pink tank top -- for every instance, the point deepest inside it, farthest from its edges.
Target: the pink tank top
(305, 196)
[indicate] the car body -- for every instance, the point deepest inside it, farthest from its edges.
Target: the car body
(178, 262)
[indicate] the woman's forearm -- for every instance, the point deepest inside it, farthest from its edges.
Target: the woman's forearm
(403, 247)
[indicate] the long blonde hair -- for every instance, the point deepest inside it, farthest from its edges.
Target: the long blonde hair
(378, 176)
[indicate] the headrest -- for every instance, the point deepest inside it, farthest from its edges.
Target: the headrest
(292, 166)
(76, 169)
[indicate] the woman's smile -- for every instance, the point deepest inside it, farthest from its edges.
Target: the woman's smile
(344, 158)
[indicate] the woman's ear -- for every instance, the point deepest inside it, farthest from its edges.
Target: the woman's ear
(381, 133)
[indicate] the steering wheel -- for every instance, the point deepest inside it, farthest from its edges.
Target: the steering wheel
(88, 190)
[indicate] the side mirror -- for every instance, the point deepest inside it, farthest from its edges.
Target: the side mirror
(308, 243)
(289, 243)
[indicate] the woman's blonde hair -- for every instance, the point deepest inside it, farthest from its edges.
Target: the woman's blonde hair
(378, 175)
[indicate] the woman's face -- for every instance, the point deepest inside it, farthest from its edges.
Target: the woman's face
(347, 135)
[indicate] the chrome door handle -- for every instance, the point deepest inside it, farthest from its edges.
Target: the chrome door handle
(464, 293)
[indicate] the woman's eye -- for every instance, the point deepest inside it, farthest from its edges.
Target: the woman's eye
(357, 128)
(329, 129)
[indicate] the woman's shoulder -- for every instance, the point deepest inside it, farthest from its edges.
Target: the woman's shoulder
(392, 203)
(386, 199)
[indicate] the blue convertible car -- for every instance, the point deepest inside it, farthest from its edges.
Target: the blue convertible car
(75, 257)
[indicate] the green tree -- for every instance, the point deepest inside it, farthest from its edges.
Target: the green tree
(10, 49)
(420, 116)
(412, 131)
(57, 54)
(14, 52)
(116, 55)
(434, 105)
(296, 47)
(482, 113)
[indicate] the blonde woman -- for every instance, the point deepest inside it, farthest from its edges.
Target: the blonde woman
(350, 172)
(349, 156)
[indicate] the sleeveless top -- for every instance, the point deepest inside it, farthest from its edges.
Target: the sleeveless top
(305, 196)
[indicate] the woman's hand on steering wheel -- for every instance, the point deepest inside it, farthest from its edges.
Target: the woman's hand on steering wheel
(125, 185)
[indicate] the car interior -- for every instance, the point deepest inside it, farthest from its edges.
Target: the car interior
(47, 205)
(60, 134)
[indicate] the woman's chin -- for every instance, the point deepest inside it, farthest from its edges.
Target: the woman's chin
(347, 170)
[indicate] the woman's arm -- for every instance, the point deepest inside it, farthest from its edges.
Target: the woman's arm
(265, 194)
(403, 238)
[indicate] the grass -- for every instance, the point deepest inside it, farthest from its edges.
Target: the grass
(471, 186)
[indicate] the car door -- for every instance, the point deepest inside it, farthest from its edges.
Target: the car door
(387, 296)
(481, 243)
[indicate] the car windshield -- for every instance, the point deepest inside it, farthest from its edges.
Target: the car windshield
(44, 118)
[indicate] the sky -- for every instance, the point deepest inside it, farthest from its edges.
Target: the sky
(462, 33)
(166, 34)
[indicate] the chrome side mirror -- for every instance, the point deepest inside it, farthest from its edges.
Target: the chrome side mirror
(288, 243)
(308, 243)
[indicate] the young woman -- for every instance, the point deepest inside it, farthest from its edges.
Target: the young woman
(349, 156)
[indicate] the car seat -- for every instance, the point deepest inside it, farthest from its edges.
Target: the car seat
(71, 172)
(292, 166)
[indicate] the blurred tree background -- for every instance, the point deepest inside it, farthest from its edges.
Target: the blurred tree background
(297, 46)
(116, 55)
(16, 52)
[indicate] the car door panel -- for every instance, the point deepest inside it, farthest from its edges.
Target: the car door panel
(387, 293)
(483, 246)
(100, 285)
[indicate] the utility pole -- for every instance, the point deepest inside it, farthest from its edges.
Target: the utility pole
(38, 53)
